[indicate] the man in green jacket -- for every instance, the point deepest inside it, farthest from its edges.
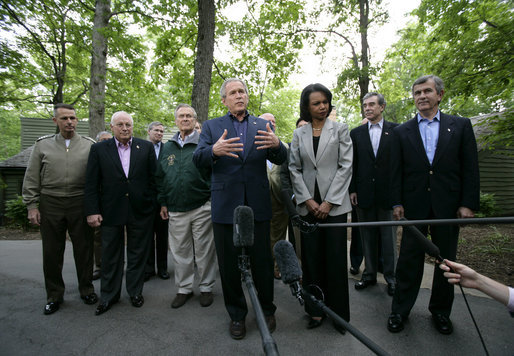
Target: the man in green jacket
(185, 199)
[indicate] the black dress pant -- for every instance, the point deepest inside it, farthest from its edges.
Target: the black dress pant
(58, 215)
(324, 265)
(158, 247)
(139, 234)
(261, 267)
(409, 270)
(356, 254)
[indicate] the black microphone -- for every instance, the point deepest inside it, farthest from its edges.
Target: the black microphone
(243, 226)
(428, 246)
(289, 268)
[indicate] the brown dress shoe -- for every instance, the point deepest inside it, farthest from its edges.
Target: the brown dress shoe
(206, 299)
(237, 329)
(181, 299)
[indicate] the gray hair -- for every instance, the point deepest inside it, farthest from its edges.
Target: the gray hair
(223, 90)
(153, 124)
(381, 99)
(119, 113)
(101, 133)
(62, 106)
(180, 106)
(439, 85)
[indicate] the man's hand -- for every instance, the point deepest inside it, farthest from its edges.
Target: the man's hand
(353, 199)
(164, 213)
(94, 220)
(464, 213)
(266, 139)
(398, 212)
(34, 216)
(226, 147)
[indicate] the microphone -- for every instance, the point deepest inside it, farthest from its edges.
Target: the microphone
(289, 267)
(428, 246)
(243, 226)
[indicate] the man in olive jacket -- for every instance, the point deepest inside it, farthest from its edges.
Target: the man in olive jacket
(55, 179)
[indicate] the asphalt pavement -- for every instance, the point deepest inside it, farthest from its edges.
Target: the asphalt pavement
(156, 329)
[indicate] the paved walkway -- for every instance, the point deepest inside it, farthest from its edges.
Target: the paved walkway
(156, 329)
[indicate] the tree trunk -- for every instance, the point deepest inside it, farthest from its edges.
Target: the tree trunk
(364, 72)
(98, 68)
(203, 61)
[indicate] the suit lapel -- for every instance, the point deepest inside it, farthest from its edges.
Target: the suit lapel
(306, 141)
(446, 129)
(226, 123)
(366, 139)
(384, 138)
(326, 133)
(415, 138)
(135, 152)
(115, 157)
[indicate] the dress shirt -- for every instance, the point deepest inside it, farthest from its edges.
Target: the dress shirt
(429, 131)
(157, 148)
(241, 128)
(375, 132)
(124, 153)
(186, 139)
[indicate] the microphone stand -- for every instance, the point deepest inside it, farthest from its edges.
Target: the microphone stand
(337, 319)
(268, 344)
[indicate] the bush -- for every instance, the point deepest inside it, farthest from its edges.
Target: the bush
(16, 214)
(488, 206)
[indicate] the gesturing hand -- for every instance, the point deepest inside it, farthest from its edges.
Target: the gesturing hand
(266, 139)
(226, 147)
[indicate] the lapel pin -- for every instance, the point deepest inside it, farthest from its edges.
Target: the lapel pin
(449, 130)
(387, 133)
(137, 146)
(254, 123)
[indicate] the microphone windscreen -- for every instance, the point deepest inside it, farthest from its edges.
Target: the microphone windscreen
(287, 262)
(428, 246)
(243, 226)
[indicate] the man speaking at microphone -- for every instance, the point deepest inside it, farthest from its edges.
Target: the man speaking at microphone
(236, 147)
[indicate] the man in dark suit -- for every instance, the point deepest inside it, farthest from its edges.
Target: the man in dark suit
(435, 176)
(120, 195)
(236, 147)
(158, 246)
(370, 190)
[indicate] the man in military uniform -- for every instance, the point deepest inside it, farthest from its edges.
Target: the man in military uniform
(55, 179)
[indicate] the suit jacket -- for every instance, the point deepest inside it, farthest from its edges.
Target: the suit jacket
(371, 175)
(237, 181)
(451, 181)
(331, 168)
(110, 193)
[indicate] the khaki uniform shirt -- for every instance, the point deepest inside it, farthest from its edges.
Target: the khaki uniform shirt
(55, 169)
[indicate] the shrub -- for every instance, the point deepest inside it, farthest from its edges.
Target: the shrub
(488, 206)
(16, 213)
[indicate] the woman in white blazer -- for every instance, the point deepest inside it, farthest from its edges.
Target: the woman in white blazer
(320, 163)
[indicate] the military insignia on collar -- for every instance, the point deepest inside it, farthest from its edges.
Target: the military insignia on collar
(171, 160)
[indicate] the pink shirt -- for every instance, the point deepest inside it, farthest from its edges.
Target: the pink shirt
(124, 153)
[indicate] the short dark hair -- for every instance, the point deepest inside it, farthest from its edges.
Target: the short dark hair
(381, 99)
(439, 85)
(304, 100)
(223, 89)
(153, 124)
(62, 106)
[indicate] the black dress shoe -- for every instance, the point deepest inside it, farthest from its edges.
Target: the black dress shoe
(90, 298)
(163, 275)
(137, 301)
(51, 307)
(354, 271)
(96, 274)
(442, 323)
(314, 323)
(271, 322)
(341, 329)
(237, 329)
(391, 288)
(363, 283)
(103, 307)
(395, 323)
